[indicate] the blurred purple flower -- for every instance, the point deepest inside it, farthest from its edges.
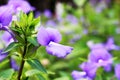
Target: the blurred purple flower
(7, 38)
(110, 44)
(50, 38)
(51, 23)
(80, 75)
(20, 5)
(37, 14)
(5, 16)
(2, 55)
(117, 71)
(89, 68)
(75, 38)
(47, 13)
(72, 19)
(101, 57)
(14, 64)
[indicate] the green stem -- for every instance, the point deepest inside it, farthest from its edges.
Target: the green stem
(23, 61)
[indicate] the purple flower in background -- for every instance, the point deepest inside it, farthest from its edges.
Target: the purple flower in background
(89, 68)
(72, 19)
(50, 38)
(117, 71)
(2, 55)
(51, 23)
(93, 46)
(47, 13)
(37, 14)
(80, 75)
(20, 5)
(5, 16)
(14, 64)
(7, 38)
(101, 57)
(110, 44)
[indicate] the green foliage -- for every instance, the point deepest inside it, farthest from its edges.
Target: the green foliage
(12, 46)
(6, 74)
(33, 40)
(34, 63)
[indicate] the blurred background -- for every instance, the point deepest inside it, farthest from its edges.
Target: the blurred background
(79, 21)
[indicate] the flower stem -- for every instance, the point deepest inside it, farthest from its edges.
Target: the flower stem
(23, 61)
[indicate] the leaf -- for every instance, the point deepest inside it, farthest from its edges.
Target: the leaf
(30, 17)
(62, 78)
(34, 63)
(32, 72)
(34, 23)
(6, 74)
(33, 40)
(11, 46)
(23, 20)
(40, 77)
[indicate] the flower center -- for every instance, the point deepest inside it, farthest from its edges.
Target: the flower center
(100, 61)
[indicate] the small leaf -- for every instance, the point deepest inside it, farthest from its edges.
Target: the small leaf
(33, 40)
(34, 63)
(40, 77)
(32, 72)
(11, 46)
(6, 74)
(16, 29)
(34, 23)
(30, 17)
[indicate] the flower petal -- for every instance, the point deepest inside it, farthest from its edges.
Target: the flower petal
(77, 74)
(43, 37)
(2, 56)
(54, 35)
(14, 65)
(20, 4)
(117, 71)
(5, 15)
(58, 50)
(97, 54)
(89, 68)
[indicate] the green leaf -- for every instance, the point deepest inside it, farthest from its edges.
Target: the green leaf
(40, 77)
(6, 74)
(23, 20)
(34, 23)
(11, 46)
(34, 63)
(79, 2)
(33, 40)
(30, 17)
(32, 72)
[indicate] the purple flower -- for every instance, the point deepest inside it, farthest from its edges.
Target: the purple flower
(14, 65)
(72, 19)
(7, 38)
(89, 68)
(47, 13)
(117, 71)
(5, 16)
(93, 46)
(50, 38)
(20, 5)
(51, 23)
(2, 56)
(110, 44)
(58, 49)
(80, 75)
(101, 57)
